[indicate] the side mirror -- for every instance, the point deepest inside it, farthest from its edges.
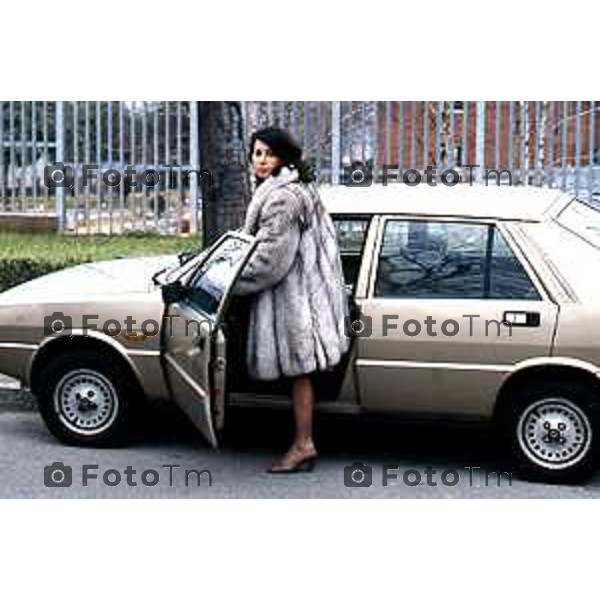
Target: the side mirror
(173, 292)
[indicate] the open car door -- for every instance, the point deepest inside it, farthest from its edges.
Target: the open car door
(193, 344)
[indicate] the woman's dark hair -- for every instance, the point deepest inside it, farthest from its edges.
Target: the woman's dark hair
(285, 147)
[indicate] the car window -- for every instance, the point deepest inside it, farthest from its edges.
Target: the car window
(179, 271)
(209, 284)
(437, 259)
(351, 233)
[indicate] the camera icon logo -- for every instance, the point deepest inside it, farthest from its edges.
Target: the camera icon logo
(358, 475)
(358, 174)
(58, 475)
(358, 326)
(57, 322)
(58, 175)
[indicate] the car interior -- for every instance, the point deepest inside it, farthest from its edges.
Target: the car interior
(351, 232)
(326, 384)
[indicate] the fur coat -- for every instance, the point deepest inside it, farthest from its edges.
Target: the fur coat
(299, 300)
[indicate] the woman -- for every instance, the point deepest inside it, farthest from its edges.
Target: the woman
(296, 324)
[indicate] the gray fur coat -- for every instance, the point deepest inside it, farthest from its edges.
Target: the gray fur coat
(299, 300)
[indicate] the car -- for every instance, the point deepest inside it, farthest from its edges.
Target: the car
(469, 303)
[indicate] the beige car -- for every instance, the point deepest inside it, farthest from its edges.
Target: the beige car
(468, 302)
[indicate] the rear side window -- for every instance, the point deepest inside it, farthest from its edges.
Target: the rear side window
(445, 260)
(351, 235)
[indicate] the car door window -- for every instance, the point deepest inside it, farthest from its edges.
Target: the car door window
(446, 260)
(211, 281)
(351, 234)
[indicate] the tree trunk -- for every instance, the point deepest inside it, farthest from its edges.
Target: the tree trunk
(222, 152)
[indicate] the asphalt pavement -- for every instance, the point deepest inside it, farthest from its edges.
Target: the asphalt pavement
(168, 458)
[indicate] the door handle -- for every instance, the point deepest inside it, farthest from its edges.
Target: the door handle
(521, 318)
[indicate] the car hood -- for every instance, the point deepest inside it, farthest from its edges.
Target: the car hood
(119, 276)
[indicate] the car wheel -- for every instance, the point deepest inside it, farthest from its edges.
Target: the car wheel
(87, 399)
(552, 430)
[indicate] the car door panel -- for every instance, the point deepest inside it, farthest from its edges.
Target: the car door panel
(463, 351)
(447, 373)
(193, 341)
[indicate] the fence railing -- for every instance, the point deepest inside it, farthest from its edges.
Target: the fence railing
(147, 136)
(540, 142)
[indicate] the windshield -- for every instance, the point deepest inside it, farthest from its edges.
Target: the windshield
(583, 219)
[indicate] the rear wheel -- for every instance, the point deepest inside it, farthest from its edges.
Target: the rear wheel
(552, 430)
(87, 399)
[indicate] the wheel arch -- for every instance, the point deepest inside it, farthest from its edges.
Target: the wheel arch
(567, 372)
(66, 344)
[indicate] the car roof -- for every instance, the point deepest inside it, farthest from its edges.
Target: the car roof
(513, 203)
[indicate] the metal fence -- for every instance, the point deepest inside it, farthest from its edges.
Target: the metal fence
(541, 143)
(37, 137)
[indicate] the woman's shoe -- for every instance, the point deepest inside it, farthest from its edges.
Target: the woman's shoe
(303, 465)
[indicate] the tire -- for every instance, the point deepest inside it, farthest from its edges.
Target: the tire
(87, 399)
(551, 429)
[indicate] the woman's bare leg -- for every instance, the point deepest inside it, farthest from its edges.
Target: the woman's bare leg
(303, 398)
(303, 445)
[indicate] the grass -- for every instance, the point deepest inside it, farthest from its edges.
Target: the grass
(59, 248)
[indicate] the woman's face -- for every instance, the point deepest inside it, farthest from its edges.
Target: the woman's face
(263, 160)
